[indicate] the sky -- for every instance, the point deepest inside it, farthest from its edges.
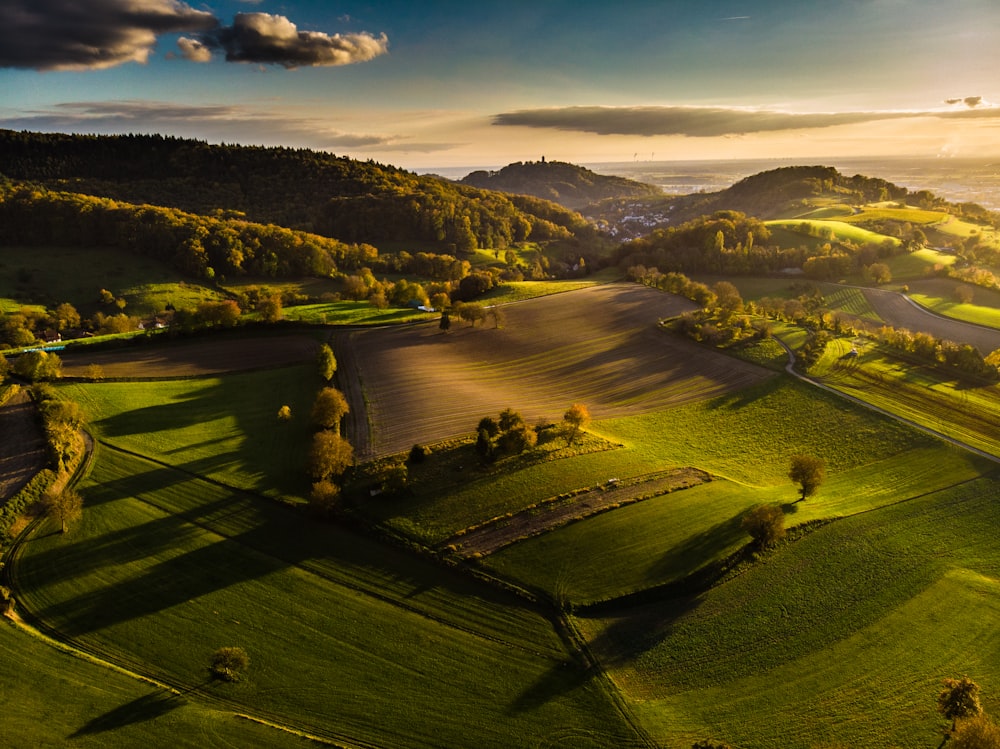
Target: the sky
(483, 83)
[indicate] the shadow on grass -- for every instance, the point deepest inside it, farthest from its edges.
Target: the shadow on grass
(562, 678)
(149, 707)
(635, 629)
(698, 550)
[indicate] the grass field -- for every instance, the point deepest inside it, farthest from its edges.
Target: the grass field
(345, 642)
(938, 295)
(907, 594)
(830, 229)
(223, 428)
(26, 274)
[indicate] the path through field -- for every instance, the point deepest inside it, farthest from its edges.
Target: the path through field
(598, 346)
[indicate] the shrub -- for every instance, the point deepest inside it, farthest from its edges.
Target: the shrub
(765, 524)
(229, 663)
(418, 454)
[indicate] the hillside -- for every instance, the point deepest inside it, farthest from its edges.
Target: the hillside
(567, 184)
(312, 191)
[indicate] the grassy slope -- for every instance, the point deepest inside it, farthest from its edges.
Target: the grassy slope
(225, 428)
(871, 461)
(161, 559)
(26, 273)
(908, 596)
(52, 698)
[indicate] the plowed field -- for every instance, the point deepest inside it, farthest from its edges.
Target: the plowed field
(599, 346)
(22, 445)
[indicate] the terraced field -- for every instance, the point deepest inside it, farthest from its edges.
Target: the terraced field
(599, 346)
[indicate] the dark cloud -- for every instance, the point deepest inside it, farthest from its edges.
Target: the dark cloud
(970, 101)
(78, 35)
(694, 122)
(215, 123)
(271, 39)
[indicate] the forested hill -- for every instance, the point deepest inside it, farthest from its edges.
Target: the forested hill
(568, 184)
(314, 191)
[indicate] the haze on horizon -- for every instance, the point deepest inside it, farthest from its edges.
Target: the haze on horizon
(449, 84)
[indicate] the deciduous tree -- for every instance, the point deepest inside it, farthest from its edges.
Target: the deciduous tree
(229, 663)
(808, 472)
(575, 419)
(765, 524)
(324, 498)
(65, 506)
(959, 699)
(327, 362)
(330, 455)
(329, 408)
(977, 732)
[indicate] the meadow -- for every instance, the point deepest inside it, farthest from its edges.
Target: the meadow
(626, 628)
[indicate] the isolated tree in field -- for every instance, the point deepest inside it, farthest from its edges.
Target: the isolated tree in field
(94, 373)
(445, 324)
(329, 408)
(959, 699)
(285, 413)
(977, 732)
(327, 362)
(575, 419)
(879, 273)
(765, 524)
(65, 506)
(324, 498)
(229, 663)
(808, 472)
(330, 455)
(963, 294)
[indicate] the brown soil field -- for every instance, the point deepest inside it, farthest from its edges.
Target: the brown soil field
(493, 536)
(599, 346)
(899, 312)
(208, 356)
(22, 445)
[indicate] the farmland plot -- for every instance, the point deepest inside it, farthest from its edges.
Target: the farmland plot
(599, 346)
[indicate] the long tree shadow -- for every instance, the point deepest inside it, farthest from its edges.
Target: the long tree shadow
(698, 550)
(564, 677)
(146, 708)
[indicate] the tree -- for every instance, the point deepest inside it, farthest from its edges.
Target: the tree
(324, 498)
(65, 506)
(765, 524)
(498, 315)
(445, 323)
(977, 732)
(959, 699)
(94, 373)
(330, 455)
(66, 317)
(879, 273)
(285, 413)
(329, 408)
(327, 362)
(229, 663)
(270, 308)
(575, 419)
(38, 365)
(808, 472)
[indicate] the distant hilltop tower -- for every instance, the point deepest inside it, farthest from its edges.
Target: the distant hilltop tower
(543, 159)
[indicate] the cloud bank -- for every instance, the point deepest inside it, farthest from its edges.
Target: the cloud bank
(705, 122)
(98, 34)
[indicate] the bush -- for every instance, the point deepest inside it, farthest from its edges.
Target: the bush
(418, 454)
(765, 524)
(229, 663)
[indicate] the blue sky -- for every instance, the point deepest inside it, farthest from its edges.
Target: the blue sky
(483, 83)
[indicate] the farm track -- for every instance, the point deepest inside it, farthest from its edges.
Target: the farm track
(600, 346)
(22, 445)
(552, 514)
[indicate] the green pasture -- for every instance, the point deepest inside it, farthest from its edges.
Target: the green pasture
(763, 426)
(839, 639)
(825, 230)
(831, 211)
(938, 295)
(164, 568)
(225, 428)
(961, 408)
(353, 313)
(52, 275)
(918, 264)
(891, 212)
(53, 697)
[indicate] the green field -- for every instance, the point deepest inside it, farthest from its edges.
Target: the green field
(908, 595)
(165, 568)
(26, 274)
(826, 230)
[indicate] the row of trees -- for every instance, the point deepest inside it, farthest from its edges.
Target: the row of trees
(330, 454)
(510, 435)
